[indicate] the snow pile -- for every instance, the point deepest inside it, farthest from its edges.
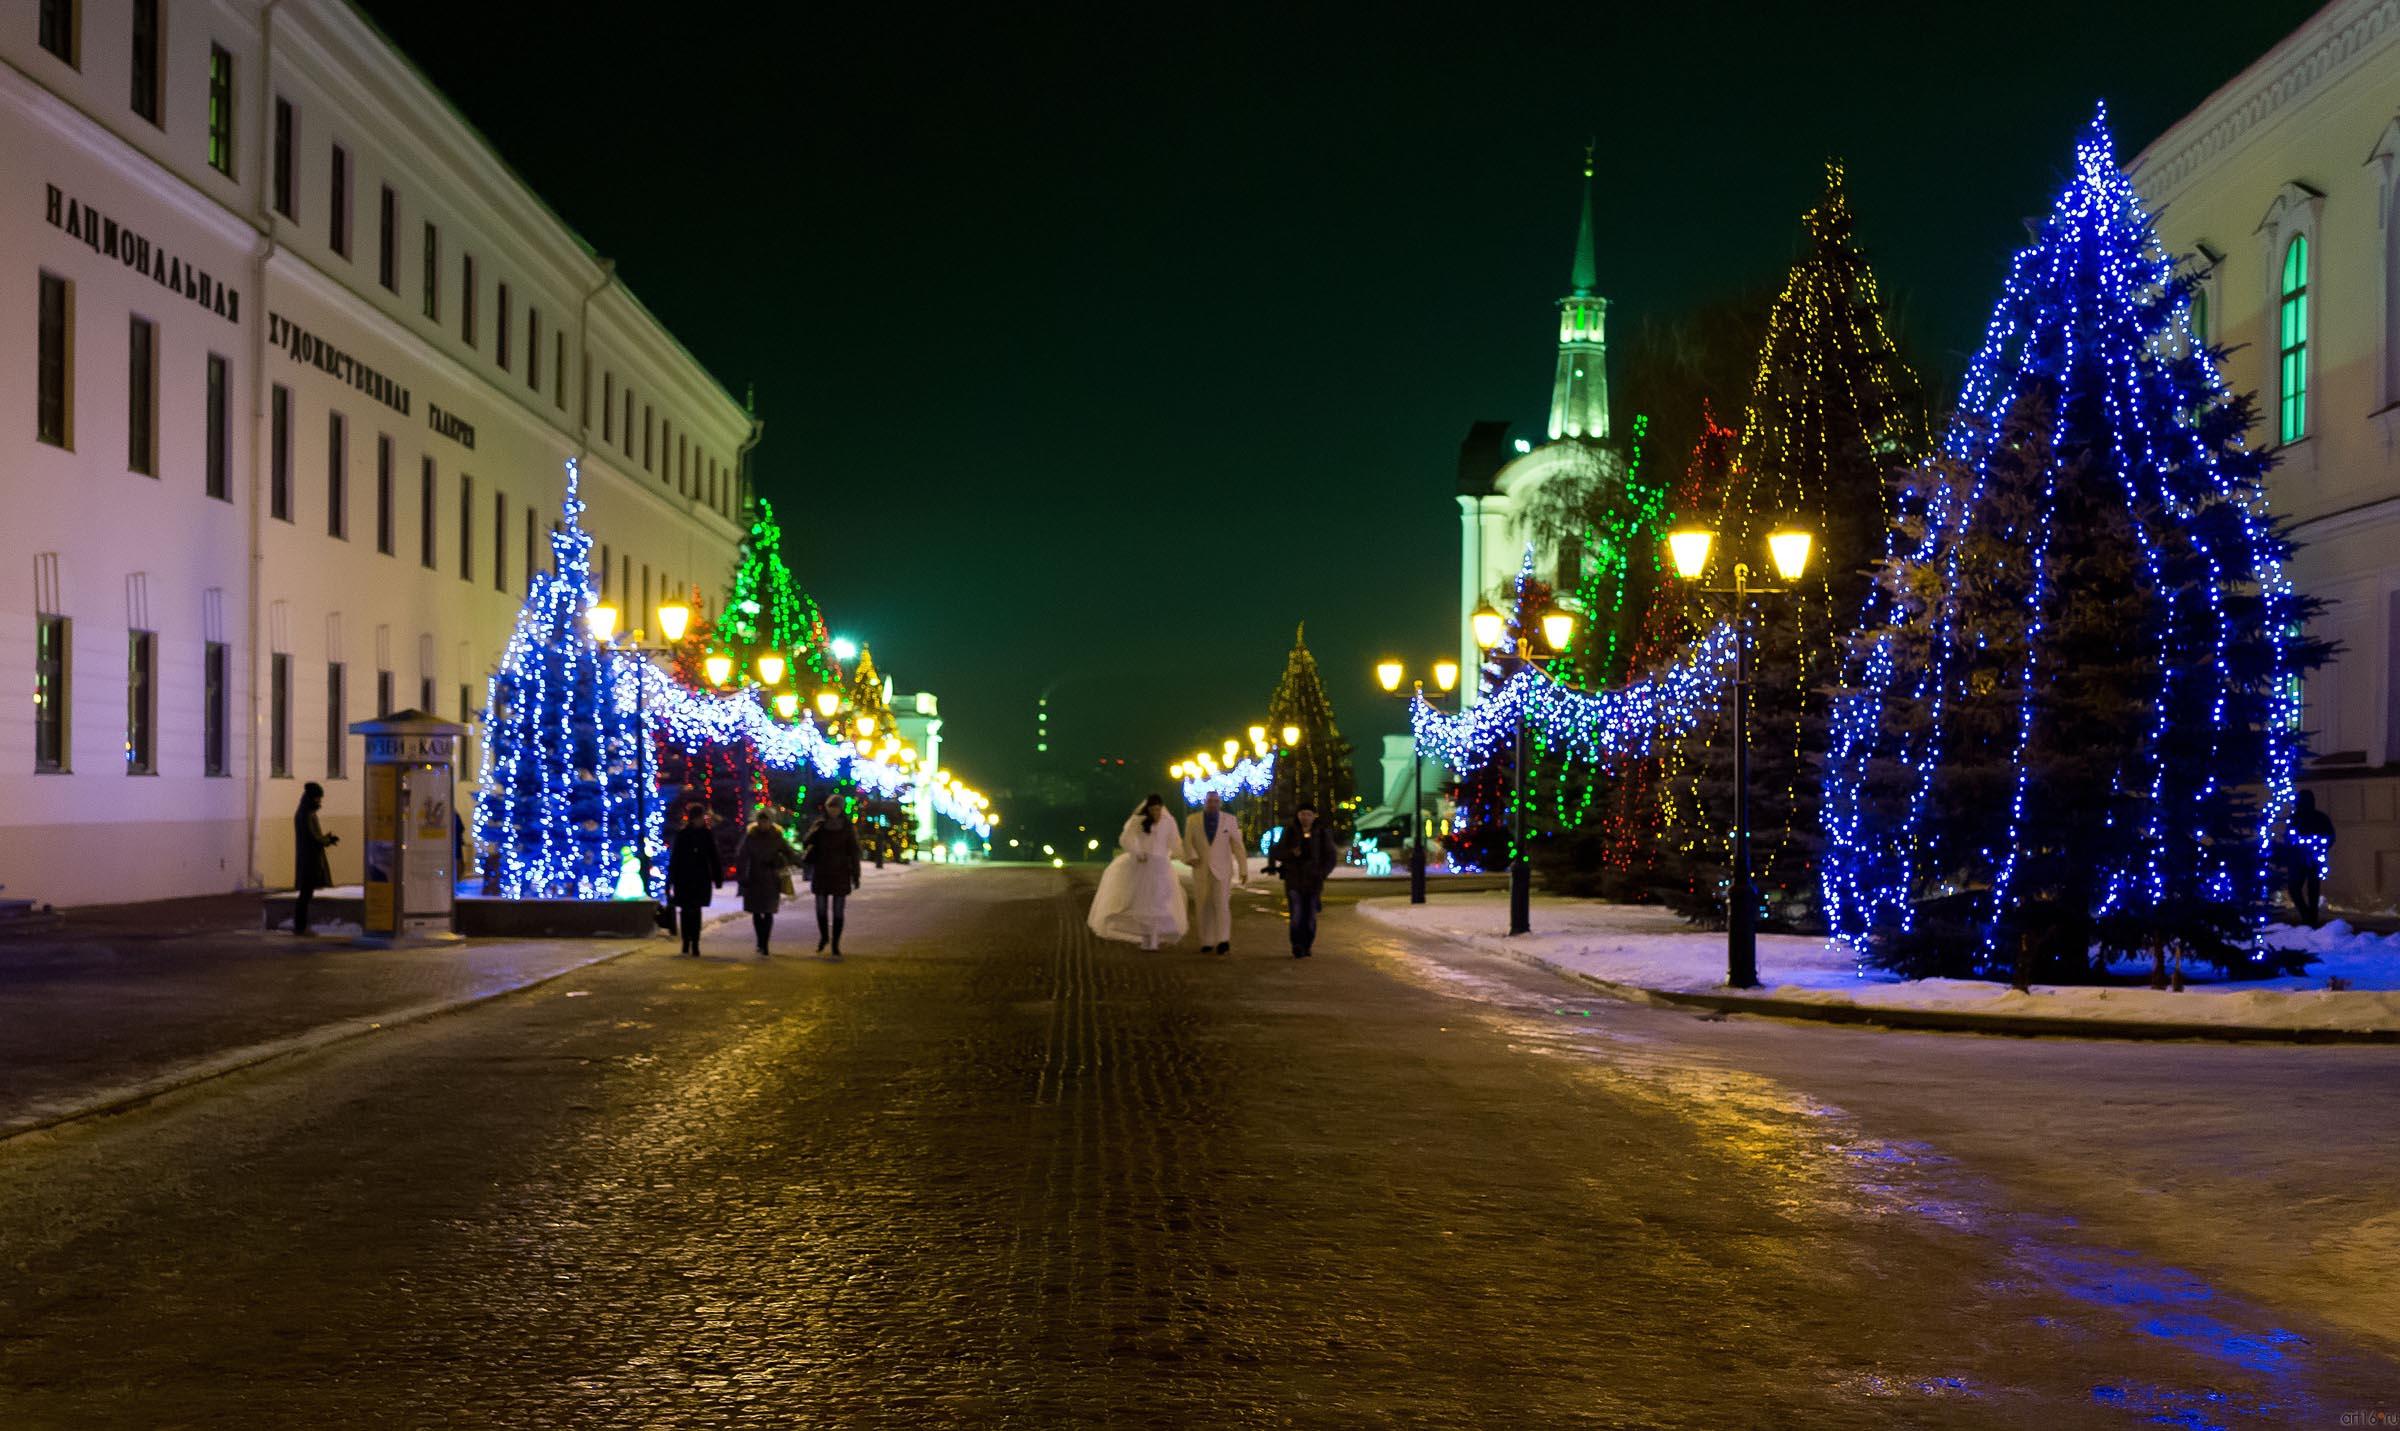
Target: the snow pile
(1643, 947)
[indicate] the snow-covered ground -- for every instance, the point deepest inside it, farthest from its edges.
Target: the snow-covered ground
(1650, 948)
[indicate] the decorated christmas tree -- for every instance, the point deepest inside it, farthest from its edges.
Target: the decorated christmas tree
(2074, 725)
(1652, 821)
(1316, 770)
(1834, 413)
(768, 611)
(563, 758)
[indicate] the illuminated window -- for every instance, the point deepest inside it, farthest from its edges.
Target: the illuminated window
(2292, 343)
(220, 110)
(50, 695)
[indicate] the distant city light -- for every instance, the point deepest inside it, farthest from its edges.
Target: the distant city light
(844, 649)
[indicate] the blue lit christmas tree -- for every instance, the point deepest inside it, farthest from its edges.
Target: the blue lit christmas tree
(2071, 728)
(562, 755)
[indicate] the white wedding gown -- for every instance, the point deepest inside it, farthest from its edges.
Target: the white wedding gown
(1140, 900)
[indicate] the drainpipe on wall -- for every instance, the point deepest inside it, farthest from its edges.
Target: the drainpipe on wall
(583, 345)
(261, 449)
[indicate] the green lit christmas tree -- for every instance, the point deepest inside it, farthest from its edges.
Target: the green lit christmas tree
(768, 610)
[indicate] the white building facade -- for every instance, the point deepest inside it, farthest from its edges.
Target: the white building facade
(296, 362)
(2281, 189)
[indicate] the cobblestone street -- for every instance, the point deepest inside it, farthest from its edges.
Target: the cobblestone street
(988, 1171)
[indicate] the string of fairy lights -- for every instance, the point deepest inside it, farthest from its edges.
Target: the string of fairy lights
(1630, 720)
(2093, 314)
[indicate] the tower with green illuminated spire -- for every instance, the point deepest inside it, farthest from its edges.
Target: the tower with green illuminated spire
(1579, 394)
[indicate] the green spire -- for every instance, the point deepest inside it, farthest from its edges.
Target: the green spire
(1587, 273)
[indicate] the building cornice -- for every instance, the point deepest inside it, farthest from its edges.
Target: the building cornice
(2333, 42)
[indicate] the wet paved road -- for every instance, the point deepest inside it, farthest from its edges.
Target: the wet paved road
(989, 1172)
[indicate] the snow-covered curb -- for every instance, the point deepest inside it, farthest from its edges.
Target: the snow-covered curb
(1645, 952)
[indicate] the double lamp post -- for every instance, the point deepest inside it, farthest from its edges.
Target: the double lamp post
(1788, 549)
(1389, 674)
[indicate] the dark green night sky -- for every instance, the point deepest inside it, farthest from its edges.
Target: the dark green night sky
(1097, 354)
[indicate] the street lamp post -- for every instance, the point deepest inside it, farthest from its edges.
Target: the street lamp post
(1490, 629)
(1789, 550)
(1388, 674)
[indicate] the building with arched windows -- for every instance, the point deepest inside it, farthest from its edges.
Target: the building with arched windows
(1513, 493)
(2283, 189)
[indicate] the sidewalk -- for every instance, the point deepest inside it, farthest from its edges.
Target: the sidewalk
(118, 1005)
(1647, 953)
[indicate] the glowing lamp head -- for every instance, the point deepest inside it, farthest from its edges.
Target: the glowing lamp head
(1689, 549)
(1489, 626)
(1388, 674)
(829, 700)
(1176, 770)
(1790, 550)
(1258, 737)
(719, 668)
(1445, 675)
(770, 669)
(1558, 627)
(602, 620)
(866, 725)
(674, 619)
(1291, 736)
(1233, 751)
(787, 705)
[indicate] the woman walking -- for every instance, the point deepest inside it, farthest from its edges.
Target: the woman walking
(829, 852)
(1139, 898)
(693, 874)
(758, 866)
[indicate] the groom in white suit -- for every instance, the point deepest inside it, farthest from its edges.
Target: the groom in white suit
(1212, 846)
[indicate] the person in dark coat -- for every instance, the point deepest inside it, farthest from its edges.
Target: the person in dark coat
(2311, 849)
(830, 854)
(1305, 857)
(311, 870)
(693, 875)
(758, 867)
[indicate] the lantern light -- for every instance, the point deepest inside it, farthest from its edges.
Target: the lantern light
(770, 668)
(674, 619)
(829, 700)
(787, 705)
(866, 725)
(719, 668)
(1689, 548)
(1388, 674)
(1490, 626)
(1558, 627)
(602, 620)
(1445, 675)
(1790, 551)
(1291, 735)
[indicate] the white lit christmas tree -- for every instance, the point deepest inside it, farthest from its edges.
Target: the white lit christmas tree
(562, 758)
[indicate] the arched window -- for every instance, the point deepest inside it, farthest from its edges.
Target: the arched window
(2292, 342)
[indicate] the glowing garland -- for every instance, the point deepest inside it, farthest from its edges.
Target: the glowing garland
(1587, 725)
(2078, 311)
(1248, 776)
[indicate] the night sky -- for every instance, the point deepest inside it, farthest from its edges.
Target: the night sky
(1096, 355)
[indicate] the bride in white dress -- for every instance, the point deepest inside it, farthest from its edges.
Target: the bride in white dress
(1140, 900)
